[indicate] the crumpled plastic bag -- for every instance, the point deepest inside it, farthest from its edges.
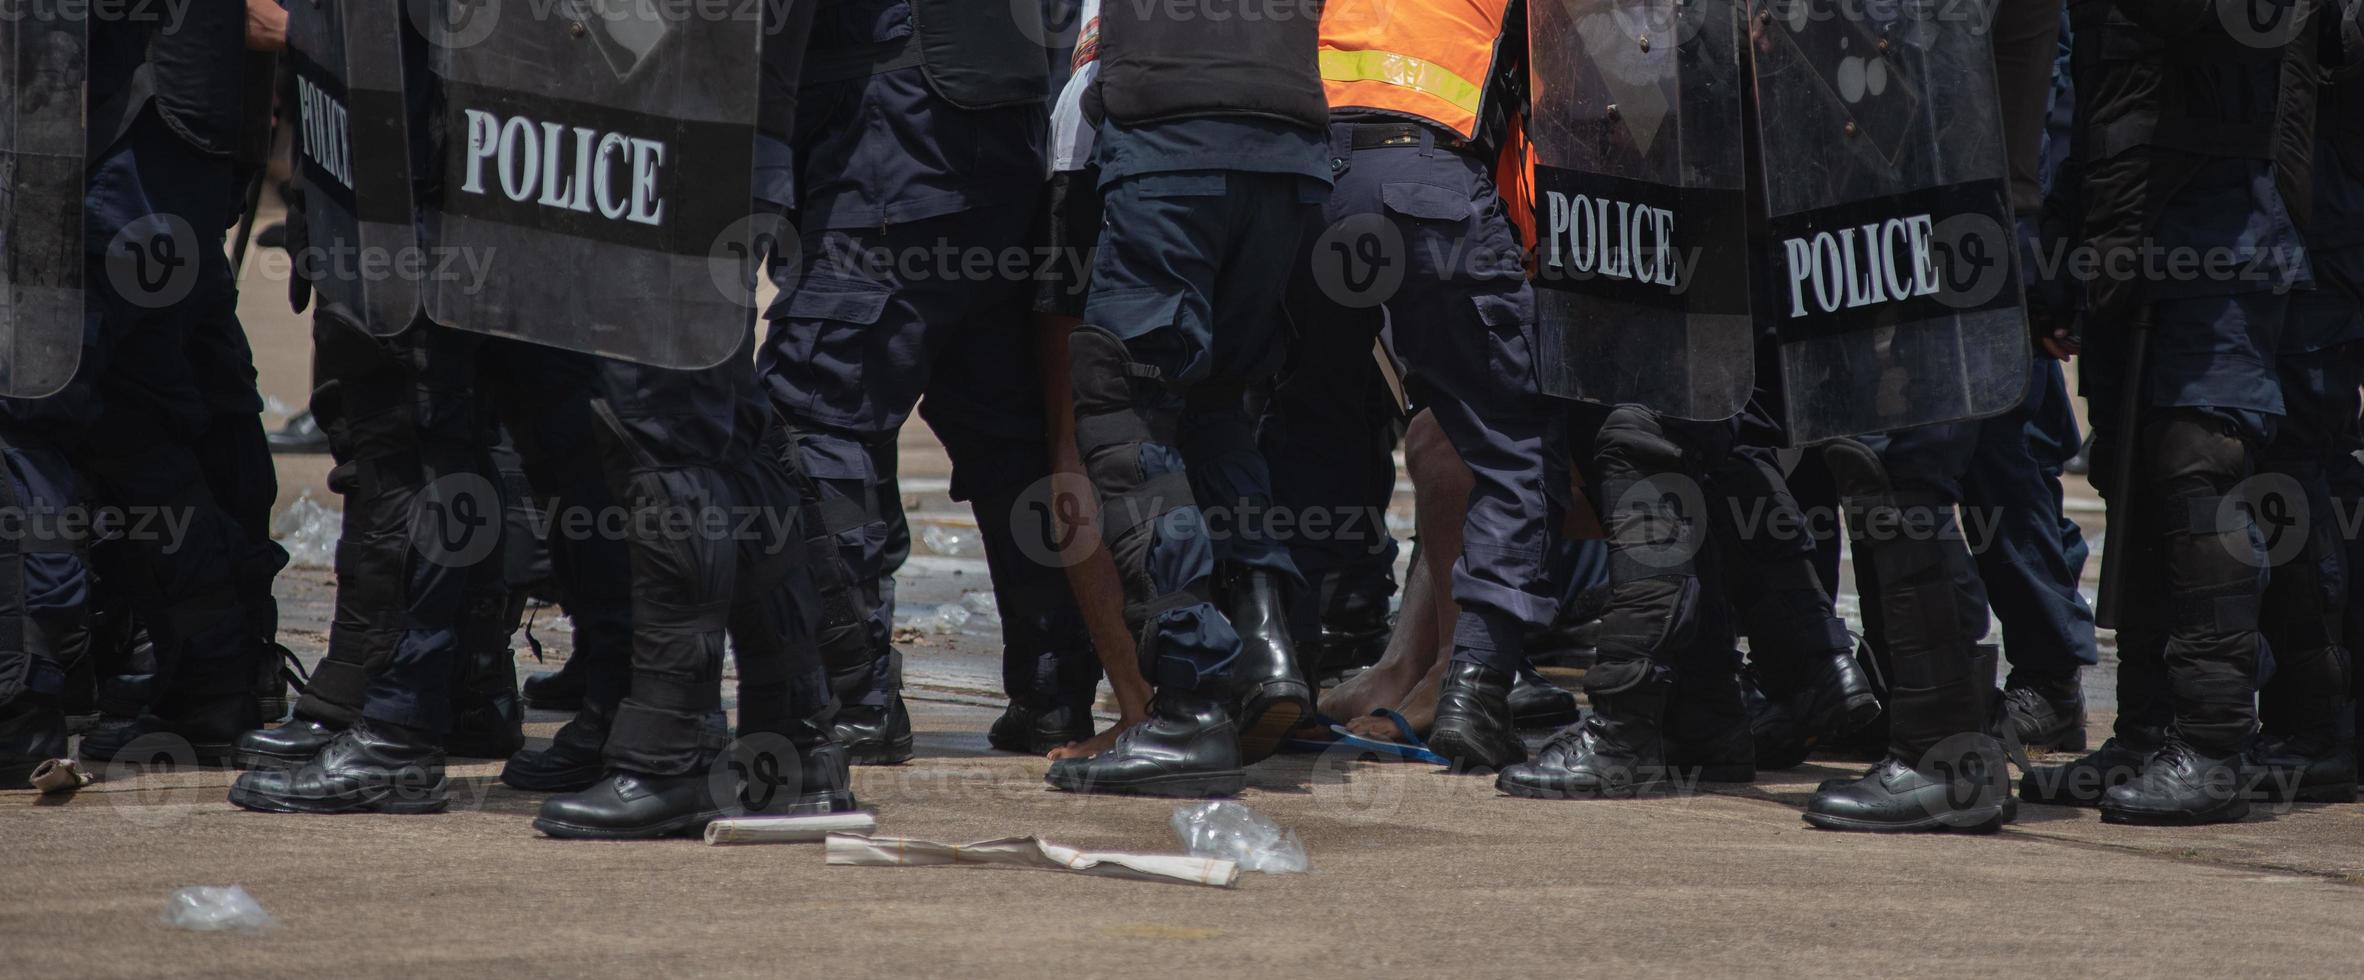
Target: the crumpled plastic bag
(309, 531)
(212, 908)
(1229, 830)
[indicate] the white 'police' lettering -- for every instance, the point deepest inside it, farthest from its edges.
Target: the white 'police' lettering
(574, 168)
(1861, 265)
(321, 119)
(1609, 238)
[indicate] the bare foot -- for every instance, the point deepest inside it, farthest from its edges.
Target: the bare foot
(1096, 744)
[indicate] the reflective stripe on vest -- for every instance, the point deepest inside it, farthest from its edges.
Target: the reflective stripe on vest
(1430, 59)
(1422, 76)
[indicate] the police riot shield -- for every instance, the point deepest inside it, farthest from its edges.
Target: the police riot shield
(596, 175)
(44, 60)
(1641, 217)
(353, 163)
(1890, 277)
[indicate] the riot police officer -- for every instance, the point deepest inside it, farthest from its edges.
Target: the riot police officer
(1211, 163)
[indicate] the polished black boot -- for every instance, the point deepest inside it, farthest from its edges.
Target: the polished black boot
(826, 781)
(32, 731)
(1035, 729)
(1944, 769)
(1617, 752)
(1269, 696)
(284, 747)
(627, 805)
(1830, 695)
(573, 761)
(1536, 702)
(1473, 722)
(1188, 748)
(2046, 713)
(555, 690)
(875, 736)
(2179, 787)
(2302, 769)
(2306, 753)
(204, 732)
(2083, 781)
(1968, 791)
(371, 767)
(1351, 622)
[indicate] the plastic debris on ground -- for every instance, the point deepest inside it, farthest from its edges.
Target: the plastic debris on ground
(1229, 830)
(948, 541)
(983, 610)
(309, 532)
(943, 620)
(213, 908)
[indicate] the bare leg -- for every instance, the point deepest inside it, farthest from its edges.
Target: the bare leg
(1091, 573)
(1407, 678)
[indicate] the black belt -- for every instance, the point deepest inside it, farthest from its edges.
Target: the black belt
(1371, 136)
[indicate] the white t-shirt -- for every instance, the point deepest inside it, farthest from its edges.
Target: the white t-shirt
(1071, 133)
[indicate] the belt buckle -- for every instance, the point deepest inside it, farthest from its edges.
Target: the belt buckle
(1403, 136)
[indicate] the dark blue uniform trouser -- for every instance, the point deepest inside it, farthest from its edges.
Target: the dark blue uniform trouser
(1462, 318)
(2036, 556)
(162, 419)
(1185, 315)
(882, 321)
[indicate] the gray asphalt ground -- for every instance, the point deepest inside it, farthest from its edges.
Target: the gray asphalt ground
(1414, 872)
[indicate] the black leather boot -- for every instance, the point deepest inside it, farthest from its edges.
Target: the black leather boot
(1188, 748)
(826, 781)
(2083, 781)
(1269, 696)
(1780, 742)
(875, 736)
(284, 747)
(573, 761)
(1944, 768)
(1473, 723)
(627, 805)
(1831, 697)
(2046, 712)
(1033, 729)
(1617, 752)
(555, 690)
(1536, 702)
(371, 767)
(32, 731)
(1351, 622)
(203, 731)
(2178, 787)
(2306, 753)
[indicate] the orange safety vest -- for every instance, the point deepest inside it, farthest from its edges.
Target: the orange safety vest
(1424, 58)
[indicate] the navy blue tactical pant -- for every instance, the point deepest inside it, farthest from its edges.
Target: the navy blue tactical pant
(1462, 316)
(931, 313)
(2034, 556)
(1185, 315)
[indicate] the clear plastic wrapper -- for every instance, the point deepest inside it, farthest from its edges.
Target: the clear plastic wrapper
(213, 908)
(1229, 830)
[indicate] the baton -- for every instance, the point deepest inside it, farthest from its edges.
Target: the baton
(2117, 560)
